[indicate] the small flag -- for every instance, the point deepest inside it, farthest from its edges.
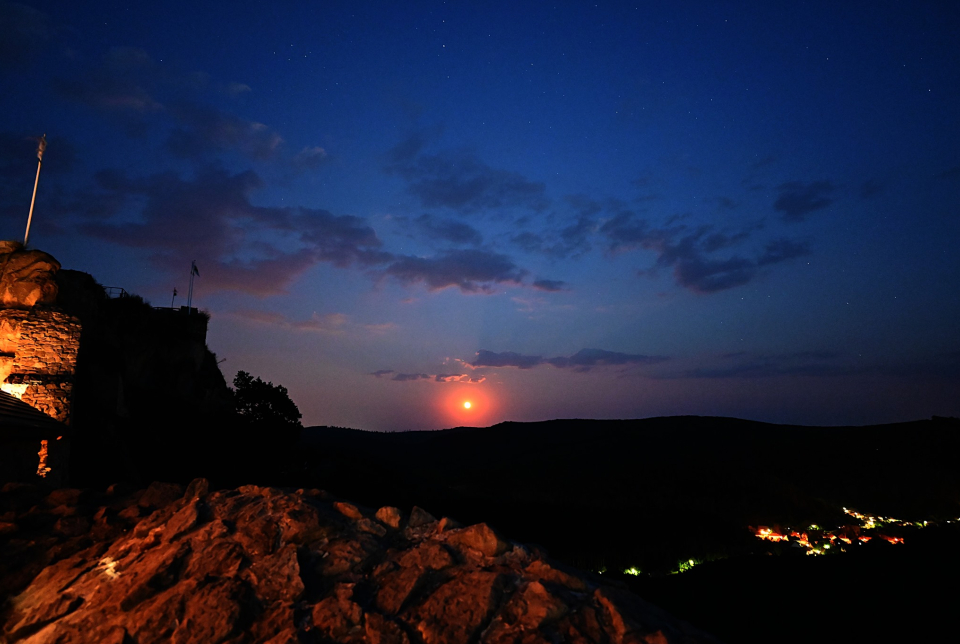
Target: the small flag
(41, 146)
(194, 270)
(174, 291)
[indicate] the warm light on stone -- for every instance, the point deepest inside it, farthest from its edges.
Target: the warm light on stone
(38, 358)
(42, 468)
(15, 390)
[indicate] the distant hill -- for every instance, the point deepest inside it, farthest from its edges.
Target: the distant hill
(645, 492)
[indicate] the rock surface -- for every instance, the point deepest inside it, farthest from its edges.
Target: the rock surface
(281, 567)
(27, 277)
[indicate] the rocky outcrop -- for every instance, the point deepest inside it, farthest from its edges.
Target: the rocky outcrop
(27, 277)
(264, 565)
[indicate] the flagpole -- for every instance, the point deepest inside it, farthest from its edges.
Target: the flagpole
(193, 271)
(40, 148)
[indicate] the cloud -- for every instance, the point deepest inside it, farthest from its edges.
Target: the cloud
(210, 218)
(585, 359)
(727, 203)
(448, 230)
(797, 199)
(204, 129)
(140, 95)
(530, 242)
(408, 377)
(261, 250)
(459, 377)
(343, 240)
(551, 286)
(235, 89)
(780, 250)
(625, 231)
(440, 377)
(120, 85)
(469, 270)
(582, 361)
(826, 364)
(258, 276)
(688, 251)
(331, 323)
(460, 181)
(309, 158)
(25, 32)
(710, 275)
(328, 324)
(506, 359)
(574, 239)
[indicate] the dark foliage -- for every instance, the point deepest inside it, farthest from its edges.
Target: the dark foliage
(264, 403)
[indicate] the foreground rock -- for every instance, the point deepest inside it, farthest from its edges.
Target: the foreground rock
(265, 565)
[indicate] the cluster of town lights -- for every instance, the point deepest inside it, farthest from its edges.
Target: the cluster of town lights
(817, 541)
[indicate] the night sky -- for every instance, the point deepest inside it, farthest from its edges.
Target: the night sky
(584, 210)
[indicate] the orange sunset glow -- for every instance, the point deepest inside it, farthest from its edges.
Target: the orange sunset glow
(468, 405)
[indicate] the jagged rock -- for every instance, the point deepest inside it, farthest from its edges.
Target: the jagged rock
(419, 518)
(27, 277)
(160, 495)
(481, 538)
(389, 516)
(263, 565)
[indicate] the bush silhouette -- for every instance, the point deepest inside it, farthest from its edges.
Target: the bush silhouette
(265, 404)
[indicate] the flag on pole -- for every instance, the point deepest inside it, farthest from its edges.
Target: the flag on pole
(194, 270)
(41, 146)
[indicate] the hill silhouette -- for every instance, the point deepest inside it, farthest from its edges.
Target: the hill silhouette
(665, 489)
(648, 494)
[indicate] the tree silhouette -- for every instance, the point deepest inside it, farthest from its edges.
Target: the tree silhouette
(264, 403)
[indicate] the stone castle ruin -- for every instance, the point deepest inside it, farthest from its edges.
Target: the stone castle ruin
(38, 355)
(98, 372)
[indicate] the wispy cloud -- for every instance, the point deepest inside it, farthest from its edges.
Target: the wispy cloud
(459, 180)
(471, 271)
(798, 199)
(689, 252)
(551, 286)
(329, 323)
(203, 130)
(210, 218)
(390, 374)
(583, 360)
(447, 230)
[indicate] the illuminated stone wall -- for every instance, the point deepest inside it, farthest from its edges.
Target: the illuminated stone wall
(38, 358)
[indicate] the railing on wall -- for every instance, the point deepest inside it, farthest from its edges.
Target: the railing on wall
(115, 291)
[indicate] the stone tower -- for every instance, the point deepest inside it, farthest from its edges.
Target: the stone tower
(38, 344)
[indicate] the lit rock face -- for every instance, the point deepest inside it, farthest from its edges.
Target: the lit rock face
(38, 357)
(38, 344)
(263, 565)
(27, 277)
